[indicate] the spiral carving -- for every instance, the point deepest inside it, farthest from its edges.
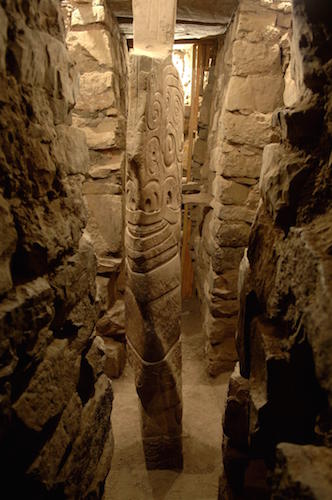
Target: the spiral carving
(153, 295)
(155, 112)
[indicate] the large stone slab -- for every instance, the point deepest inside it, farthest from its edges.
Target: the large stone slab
(236, 161)
(88, 14)
(50, 388)
(254, 129)
(254, 58)
(91, 49)
(97, 92)
(229, 192)
(105, 222)
(262, 93)
(230, 233)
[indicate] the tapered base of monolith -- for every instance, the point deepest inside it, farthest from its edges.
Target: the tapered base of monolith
(163, 452)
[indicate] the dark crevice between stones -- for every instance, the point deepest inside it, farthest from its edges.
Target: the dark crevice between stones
(69, 330)
(60, 313)
(12, 65)
(26, 265)
(294, 400)
(24, 372)
(86, 383)
(300, 189)
(19, 449)
(65, 456)
(252, 309)
(307, 399)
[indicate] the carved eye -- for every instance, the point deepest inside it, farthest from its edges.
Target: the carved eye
(151, 197)
(172, 193)
(131, 195)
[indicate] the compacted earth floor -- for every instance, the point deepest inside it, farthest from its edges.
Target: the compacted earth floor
(203, 401)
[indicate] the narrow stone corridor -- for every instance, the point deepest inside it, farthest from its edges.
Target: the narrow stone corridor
(203, 401)
(152, 151)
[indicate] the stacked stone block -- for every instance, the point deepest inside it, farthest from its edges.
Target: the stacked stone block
(100, 52)
(249, 86)
(284, 334)
(55, 401)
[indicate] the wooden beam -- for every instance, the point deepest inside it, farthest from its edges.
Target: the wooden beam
(199, 55)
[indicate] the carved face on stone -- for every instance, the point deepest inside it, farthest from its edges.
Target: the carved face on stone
(155, 143)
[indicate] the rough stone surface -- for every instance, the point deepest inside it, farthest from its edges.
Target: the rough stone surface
(284, 334)
(302, 472)
(248, 85)
(112, 323)
(55, 404)
(99, 50)
(115, 358)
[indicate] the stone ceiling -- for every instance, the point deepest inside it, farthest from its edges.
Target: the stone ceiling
(196, 19)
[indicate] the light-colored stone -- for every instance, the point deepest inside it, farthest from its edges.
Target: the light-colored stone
(230, 233)
(250, 94)
(255, 58)
(115, 358)
(106, 133)
(254, 129)
(70, 150)
(229, 192)
(112, 324)
(200, 151)
(91, 49)
(101, 187)
(154, 24)
(97, 92)
(87, 14)
(291, 95)
(222, 356)
(226, 259)
(106, 220)
(236, 161)
(233, 213)
(251, 21)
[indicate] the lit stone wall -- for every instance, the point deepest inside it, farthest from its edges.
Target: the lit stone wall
(100, 53)
(248, 86)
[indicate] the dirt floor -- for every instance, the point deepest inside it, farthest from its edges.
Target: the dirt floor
(203, 400)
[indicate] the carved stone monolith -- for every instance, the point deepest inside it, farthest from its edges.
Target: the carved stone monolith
(152, 237)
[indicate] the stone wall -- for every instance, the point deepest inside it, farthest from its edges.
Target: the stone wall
(55, 401)
(280, 396)
(100, 52)
(248, 87)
